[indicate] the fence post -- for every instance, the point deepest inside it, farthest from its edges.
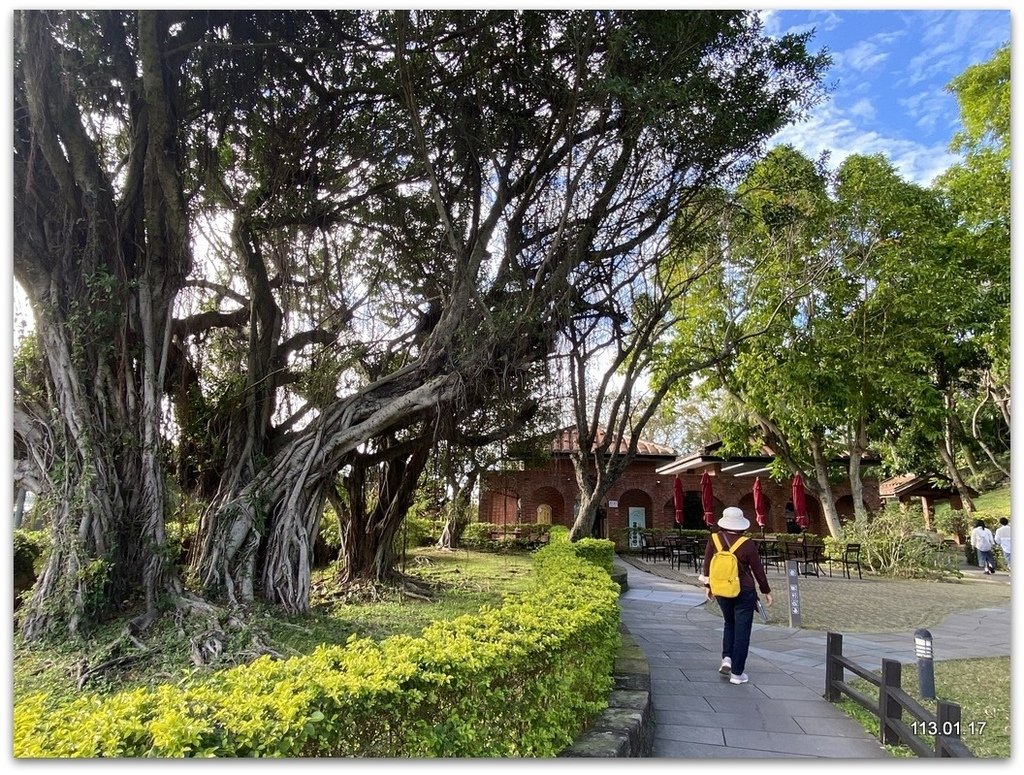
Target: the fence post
(888, 706)
(947, 725)
(833, 669)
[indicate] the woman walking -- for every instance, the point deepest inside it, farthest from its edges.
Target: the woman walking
(983, 541)
(737, 612)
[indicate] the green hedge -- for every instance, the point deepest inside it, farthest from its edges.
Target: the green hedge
(514, 681)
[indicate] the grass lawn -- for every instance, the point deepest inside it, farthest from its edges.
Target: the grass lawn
(459, 583)
(981, 687)
(996, 501)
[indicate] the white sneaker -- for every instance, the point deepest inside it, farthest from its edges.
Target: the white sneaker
(726, 667)
(738, 679)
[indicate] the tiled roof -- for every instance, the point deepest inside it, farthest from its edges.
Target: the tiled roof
(889, 486)
(912, 485)
(567, 441)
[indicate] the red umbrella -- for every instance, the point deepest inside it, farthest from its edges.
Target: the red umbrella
(707, 498)
(799, 502)
(678, 494)
(759, 509)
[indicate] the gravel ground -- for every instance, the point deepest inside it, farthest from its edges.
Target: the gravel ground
(871, 604)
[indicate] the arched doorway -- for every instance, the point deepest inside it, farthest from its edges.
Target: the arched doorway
(845, 510)
(638, 509)
(693, 510)
(549, 509)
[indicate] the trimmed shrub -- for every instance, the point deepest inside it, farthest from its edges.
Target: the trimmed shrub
(514, 681)
(894, 543)
(598, 551)
(477, 535)
(559, 534)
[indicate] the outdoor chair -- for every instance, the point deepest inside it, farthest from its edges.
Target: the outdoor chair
(771, 556)
(849, 559)
(681, 551)
(648, 550)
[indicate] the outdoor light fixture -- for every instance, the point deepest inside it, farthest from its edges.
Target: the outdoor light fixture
(925, 664)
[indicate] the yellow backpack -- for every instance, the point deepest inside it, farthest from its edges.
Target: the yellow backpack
(724, 571)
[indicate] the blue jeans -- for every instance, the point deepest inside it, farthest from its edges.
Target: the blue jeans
(738, 613)
(986, 560)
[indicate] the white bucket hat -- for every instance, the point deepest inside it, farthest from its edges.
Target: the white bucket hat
(733, 519)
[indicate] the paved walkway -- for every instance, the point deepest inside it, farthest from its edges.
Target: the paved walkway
(780, 712)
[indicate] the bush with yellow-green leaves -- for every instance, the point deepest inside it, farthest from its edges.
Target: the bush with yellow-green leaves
(518, 680)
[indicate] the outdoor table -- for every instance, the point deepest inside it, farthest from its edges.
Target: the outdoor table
(681, 550)
(813, 556)
(768, 551)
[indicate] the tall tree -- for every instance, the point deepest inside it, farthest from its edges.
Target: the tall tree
(403, 212)
(863, 346)
(978, 189)
(102, 246)
(539, 174)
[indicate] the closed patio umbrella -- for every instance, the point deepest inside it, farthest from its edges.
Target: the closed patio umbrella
(800, 502)
(677, 493)
(759, 506)
(707, 498)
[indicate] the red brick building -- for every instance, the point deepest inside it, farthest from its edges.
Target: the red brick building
(643, 495)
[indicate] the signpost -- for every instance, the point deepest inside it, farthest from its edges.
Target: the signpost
(792, 574)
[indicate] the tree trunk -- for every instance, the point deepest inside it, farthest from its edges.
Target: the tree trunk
(102, 275)
(583, 526)
(947, 451)
(822, 489)
(19, 506)
(592, 485)
(368, 549)
(282, 504)
(858, 444)
(957, 477)
(458, 514)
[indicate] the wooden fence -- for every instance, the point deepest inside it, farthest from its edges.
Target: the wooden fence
(892, 702)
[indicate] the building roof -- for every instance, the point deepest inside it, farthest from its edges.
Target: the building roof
(736, 465)
(566, 441)
(914, 486)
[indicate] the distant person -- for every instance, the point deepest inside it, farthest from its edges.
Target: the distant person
(737, 612)
(791, 524)
(1002, 538)
(983, 541)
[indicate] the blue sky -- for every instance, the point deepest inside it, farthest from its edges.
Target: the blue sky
(889, 73)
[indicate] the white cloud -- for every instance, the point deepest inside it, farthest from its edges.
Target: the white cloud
(952, 41)
(865, 56)
(822, 20)
(862, 109)
(931, 110)
(833, 132)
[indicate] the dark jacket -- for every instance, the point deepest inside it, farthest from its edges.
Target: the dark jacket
(746, 555)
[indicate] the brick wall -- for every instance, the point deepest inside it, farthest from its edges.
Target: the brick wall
(506, 497)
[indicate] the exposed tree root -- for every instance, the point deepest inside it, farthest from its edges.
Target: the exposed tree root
(366, 591)
(86, 673)
(124, 650)
(409, 592)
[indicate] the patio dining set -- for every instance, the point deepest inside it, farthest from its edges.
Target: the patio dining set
(810, 558)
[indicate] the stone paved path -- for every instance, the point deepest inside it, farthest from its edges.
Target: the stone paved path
(780, 713)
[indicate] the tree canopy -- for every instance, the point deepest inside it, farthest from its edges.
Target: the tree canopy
(276, 258)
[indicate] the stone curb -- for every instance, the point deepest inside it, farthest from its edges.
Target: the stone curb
(625, 729)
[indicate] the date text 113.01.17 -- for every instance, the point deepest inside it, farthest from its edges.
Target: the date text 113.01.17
(947, 728)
